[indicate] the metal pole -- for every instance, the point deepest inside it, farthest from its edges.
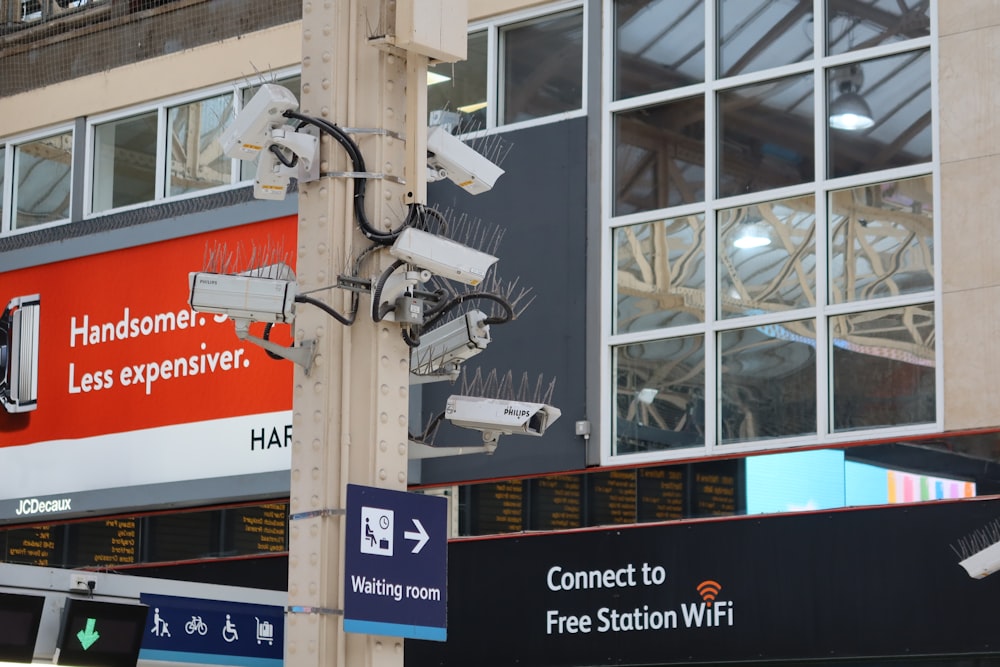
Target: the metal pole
(350, 413)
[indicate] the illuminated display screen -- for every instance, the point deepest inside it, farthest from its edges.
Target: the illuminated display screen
(100, 634)
(499, 507)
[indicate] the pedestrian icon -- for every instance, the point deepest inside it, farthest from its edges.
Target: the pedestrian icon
(376, 531)
(229, 631)
(160, 627)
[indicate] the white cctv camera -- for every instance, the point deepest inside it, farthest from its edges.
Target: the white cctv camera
(272, 178)
(250, 298)
(443, 350)
(983, 563)
(19, 354)
(446, 120)
(250, 131)
(448, 157)
(495, 417)
(442, 256)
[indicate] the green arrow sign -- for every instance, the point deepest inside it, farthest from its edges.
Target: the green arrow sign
(89, 635)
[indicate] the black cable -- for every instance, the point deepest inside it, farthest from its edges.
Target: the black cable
(282, 158)
(378, 313)
(439, 303)
(267, 337)
(459, 300)
(360, 182)
(411, 337)
(302, 298)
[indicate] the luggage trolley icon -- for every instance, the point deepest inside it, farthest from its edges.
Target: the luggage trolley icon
(265, 631)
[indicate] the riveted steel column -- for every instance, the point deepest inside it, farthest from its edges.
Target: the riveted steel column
(350, 412)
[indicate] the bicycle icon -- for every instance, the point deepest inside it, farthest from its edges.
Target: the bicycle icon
(196, 624)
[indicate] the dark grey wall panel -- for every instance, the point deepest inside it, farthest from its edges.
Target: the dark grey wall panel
(139, 226)
(541, 202)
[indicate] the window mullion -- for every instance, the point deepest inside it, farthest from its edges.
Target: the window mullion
(162, 150)
(6, 195)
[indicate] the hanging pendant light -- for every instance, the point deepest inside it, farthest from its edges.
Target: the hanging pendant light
(850, 111)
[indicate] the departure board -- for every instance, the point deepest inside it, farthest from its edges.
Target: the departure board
(103, 543)
(184, 536)
(497, 507)
(715, 489)
(611, 497)
(38, 545)
(259, 529)
(556, 502)
(661, 493)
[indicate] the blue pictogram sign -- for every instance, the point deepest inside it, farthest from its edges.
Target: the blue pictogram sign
(396, 558)
(194, 630)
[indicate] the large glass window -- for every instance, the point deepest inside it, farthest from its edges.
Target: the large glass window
(766, 135)
(125, 162)
(880, 113)
(42, 170)
(767, 381)
(542, 71)
(850, 26)
(164, 150)
(195, 160)
(660, 156)
(660, 274)
(771, 225)
(883, 367)
(647, 61)
(659, 394)
(767, 260)
(882, 240)
(459, 89)
(519, 68)
(759, 34)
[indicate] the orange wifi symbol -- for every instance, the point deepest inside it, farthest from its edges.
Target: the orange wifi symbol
(709, 590)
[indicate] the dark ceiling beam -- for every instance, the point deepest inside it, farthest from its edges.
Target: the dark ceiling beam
(913, 23)
(801, 9)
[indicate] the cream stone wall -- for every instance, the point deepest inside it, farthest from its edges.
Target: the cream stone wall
(969, 124)
(482, 9)
(176, 73)
(208, 65)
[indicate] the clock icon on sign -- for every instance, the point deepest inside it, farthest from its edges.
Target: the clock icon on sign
(383, 522)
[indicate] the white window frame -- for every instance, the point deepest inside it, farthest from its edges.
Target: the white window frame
(821, 186)
(161, 107)
(493, 27)
(7, 191)
(9, 194)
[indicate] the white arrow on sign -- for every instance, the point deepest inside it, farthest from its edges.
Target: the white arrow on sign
(420, 537)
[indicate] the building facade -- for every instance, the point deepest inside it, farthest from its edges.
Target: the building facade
(745, 240)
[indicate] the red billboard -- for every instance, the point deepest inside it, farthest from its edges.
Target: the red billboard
(127, 372)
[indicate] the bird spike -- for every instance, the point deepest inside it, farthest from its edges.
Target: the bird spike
(493, 147)
(501, 386)
(468, 230)
(519, 298)
(264, 260)
(979, 539)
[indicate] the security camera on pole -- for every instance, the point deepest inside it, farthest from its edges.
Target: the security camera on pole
(360, 151)
(350, 415)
